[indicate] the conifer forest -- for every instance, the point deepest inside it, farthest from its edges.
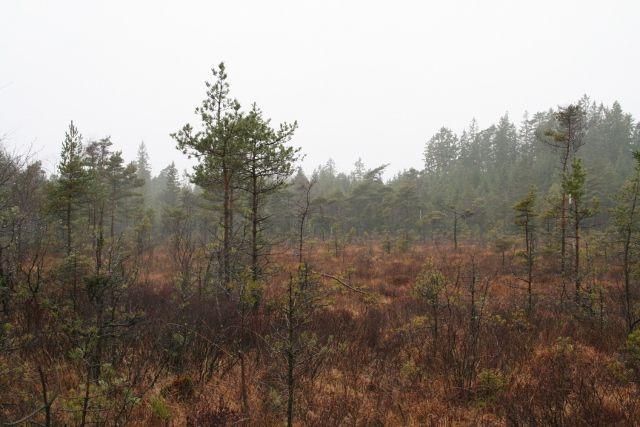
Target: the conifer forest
(497, 282)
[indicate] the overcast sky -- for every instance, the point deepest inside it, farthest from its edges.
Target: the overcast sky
(363, 78)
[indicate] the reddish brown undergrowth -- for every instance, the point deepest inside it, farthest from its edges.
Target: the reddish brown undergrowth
(471, 353)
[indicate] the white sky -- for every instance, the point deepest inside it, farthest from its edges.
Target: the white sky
(363, 78)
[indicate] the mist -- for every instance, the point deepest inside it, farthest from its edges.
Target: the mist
(359, 77)
(319, 213)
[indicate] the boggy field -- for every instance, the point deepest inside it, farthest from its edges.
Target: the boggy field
(363, 334)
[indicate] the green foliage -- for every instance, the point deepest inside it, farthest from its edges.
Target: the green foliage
(79, 305)
(490, 386)
(275, 399)
(386, 243)
(633, 345)
(525, 209)
(501, 242)
(409, 371)
(484, 172)
(217, 144)
(441, 151)
(160, 408)
(403, 243)
(429, 284)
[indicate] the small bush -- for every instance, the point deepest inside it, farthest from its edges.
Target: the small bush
(490, 387)
(160, 408)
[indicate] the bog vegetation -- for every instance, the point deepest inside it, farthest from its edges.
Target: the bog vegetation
(500, 284)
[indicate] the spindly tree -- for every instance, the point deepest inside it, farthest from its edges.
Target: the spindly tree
(268, 163)
(123, 183)
(72, 181)
(169, 198)
(144, 170)
(217, 146)
(68, 195)
(626, 220)
(574, 187)
(300, 349)
(525, 216)
(458, 215)
(566, 139)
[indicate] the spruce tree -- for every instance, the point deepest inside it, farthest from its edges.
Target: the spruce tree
(143, 169)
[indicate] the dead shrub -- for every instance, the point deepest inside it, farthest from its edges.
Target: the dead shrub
(567, 383)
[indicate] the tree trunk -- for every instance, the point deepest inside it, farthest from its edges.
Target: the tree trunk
(226, 243)
(45, 397)
(455, 231)
(254, 228)
(626, 262)
(68, 224)
(243, 387)
(529, 265)
(85, 400)
(563, 233)
(290, 356)
(565, 208)
(576, 267)
(100, 240)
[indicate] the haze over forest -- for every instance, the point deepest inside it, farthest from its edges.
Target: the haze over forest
(358, 76)
(299, 214)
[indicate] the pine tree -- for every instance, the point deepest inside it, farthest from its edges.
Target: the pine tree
(218, 149)
(72, 181)
(97, 160)
(626, 220)
(68, 195)
(267, 165)
(122, 181)
(574, 187)
(566, 139)
(525, 216)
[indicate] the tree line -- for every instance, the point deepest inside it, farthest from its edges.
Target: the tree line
(78, 247)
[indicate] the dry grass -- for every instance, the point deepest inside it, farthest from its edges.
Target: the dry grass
(492, 364)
